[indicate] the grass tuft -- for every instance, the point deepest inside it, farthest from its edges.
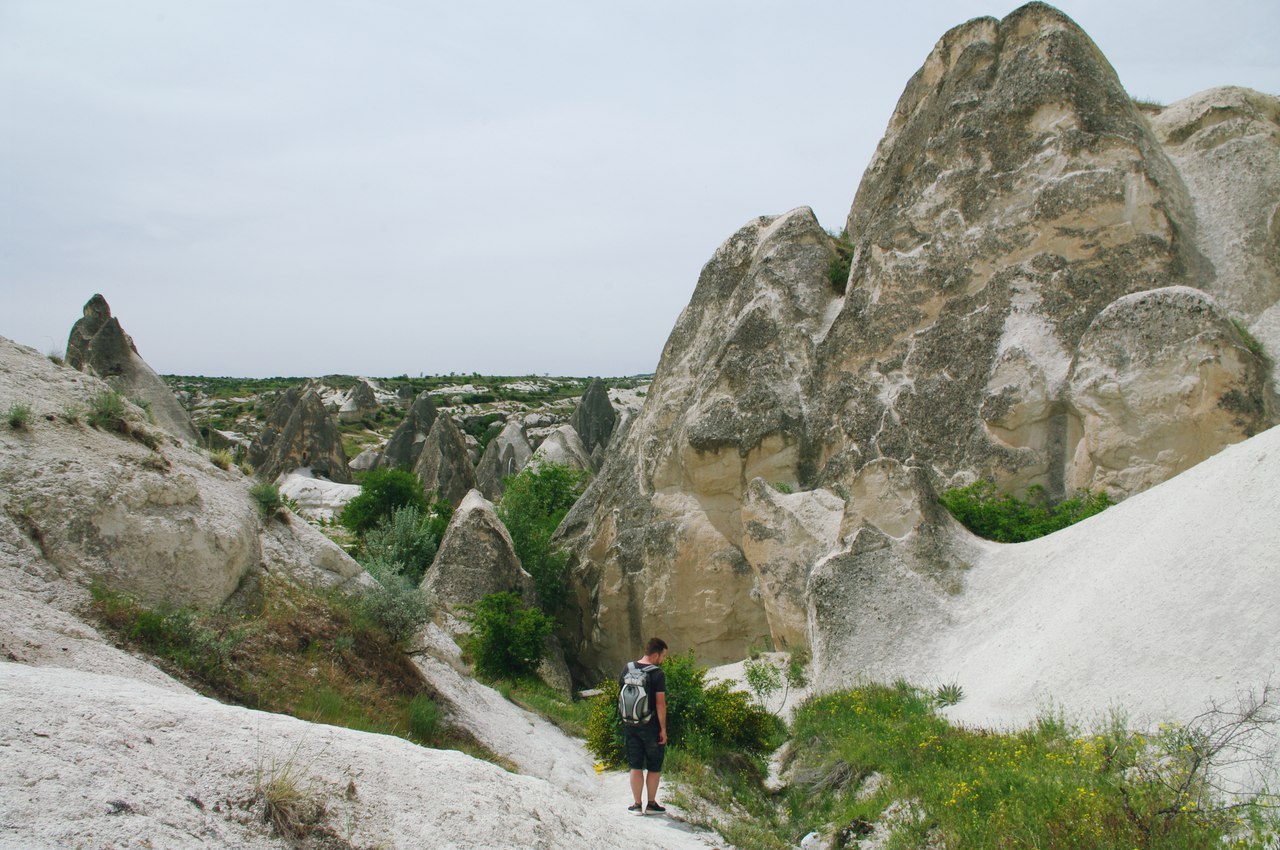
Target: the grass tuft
(18, 416)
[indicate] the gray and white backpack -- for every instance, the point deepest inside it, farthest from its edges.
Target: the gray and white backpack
(634, 705)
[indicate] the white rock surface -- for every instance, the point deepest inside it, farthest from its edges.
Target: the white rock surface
(318, 498)
(103, 761)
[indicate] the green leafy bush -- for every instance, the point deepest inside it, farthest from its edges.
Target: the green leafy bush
(397, 605)
(19, 416)
(1007, 519)
(532, 506)
(838, 268)
(382, 491)
(708, 720)
(266, 496)
(408, 537)
(507, 639)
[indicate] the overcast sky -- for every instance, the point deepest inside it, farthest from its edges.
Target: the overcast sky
(278, 187)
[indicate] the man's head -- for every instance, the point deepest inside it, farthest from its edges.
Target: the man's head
(656, 648)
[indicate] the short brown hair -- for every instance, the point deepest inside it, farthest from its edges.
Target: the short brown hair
(654, 646)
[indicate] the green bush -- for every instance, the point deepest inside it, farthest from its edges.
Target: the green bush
(532, 506)
(266, 496)
(107, 411)
(709, 720)
(1008, 519)
(408, 537)
(382, 491)
(838, 268)
(397, 605)
(19, 416)
(507, 639)
(222, 458)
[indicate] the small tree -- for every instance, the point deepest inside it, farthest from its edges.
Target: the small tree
(383, 491)
(507, 638)
(532, 506)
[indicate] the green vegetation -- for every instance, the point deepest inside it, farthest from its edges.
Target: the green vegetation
(784, 488)
(1251, 342)
(222, 458)
(1047, 786)
(315, 655)
(405, 541)
(532, 506)
(765, 678)
(266, 496)
(107, 412)
(1011, 520)
(19, 416)
(711, 724)
(842, 262)
(382, 491)
(948, 694)
(508, 639)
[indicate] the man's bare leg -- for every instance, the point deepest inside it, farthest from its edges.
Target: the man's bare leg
(637, 783)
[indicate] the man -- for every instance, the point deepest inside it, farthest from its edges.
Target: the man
(645, 743)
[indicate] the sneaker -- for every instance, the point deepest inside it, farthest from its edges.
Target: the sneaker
(635, 809)
(654, 808)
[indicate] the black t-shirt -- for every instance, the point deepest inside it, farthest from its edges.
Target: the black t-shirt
(655, 684)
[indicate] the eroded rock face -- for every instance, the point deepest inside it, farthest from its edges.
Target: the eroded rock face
(163, 523)
(506, 455)
(1161, 381)
(1226, 145)
(1017, 211)
(594, 418)
(476, 558)
(300, 433)
(99, 346)
(563, 446)
(361, 402)
(405, 446)
(444, 465)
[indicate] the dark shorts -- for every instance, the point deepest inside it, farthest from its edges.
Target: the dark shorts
(642, 747)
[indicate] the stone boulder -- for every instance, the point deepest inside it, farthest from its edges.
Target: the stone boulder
(506, 455)
(361, 403)
(476, 558)
(99, 346)
(299, 433)
(405, 446)
(1225, 143)
(594, 418)
(1017, 209)
(156, 520)
(1161, 381)
(563, 446)
(444, 465)
(316, 498)
(367, 459)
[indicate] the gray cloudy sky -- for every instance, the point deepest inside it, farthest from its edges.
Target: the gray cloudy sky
(278, 187)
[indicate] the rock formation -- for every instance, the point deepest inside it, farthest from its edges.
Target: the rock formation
(564, 447)
(162, 523)
(99, 346)
(360, 403)
(506, 455)
(443, 463)
(476, 558)
(300, 433)
(1016, 305)
(406, 441)
(594, 418)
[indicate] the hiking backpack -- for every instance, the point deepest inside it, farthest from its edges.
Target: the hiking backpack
(633, 696)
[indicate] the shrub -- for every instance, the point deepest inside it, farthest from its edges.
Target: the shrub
(532, 506)
(19, 416)
(107, 411)
(267, 497)
(222, 458)
(507, 639)
(397, 605)
(407, 537)
(382, 491)
(1011, 520)
(948, 694)
(838, 268)
(72, 412)
(425, 719)
(711, 720)
(783, 487)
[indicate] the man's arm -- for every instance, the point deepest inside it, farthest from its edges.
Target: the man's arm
(660, 703)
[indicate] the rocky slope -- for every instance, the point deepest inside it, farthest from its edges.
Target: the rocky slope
(1030, 297)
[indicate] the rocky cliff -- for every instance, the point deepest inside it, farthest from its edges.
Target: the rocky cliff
(99, 346)
(1020, 293)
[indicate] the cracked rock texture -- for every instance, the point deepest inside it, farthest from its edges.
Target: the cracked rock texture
(1037, 294)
